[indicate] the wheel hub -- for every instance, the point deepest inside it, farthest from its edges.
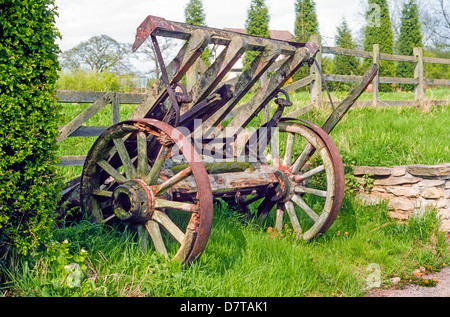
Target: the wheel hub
(133, 202)
(284, 188)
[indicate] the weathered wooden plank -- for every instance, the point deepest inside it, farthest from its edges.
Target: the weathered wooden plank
(218, 70)
(419, 89)
(227, 182)
(301, 111)
(115, 109)
(264, 95)
(343, 107)
(87, 131)
(346, 51)
(84, 116)
(343, 78)
(438, 82)
(376, 79)
(72, 160)
(364, 54)
(383, 80)
(298, 84)
(397, 58)
(435, 60)
(315, 89)
(397, 80)
(74, 96)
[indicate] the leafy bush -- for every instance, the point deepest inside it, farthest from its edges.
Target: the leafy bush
(28, 123)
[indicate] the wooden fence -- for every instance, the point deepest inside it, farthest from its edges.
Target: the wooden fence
(419, 82)
(99, 100)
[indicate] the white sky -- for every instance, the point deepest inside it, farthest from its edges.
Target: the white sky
(81, 19)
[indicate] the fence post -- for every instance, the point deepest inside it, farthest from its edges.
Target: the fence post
(115, 108)
(316, 84)
(418, 75)
(376, 80)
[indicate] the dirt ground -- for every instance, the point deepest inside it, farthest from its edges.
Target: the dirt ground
(442, 288)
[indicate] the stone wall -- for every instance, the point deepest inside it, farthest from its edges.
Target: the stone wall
(409, 190)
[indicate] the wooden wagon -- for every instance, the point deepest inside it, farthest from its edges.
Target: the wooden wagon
(161, 173)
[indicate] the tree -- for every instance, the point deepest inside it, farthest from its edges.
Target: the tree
(257, 23)
(165, 44)
(410, 37)
(99, 53)
(444, 13)
(345, 65)
(194, 14)
(306, 23)
(378, 30)
(29, 117)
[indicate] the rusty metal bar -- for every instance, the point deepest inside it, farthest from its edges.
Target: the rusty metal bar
(161, 27)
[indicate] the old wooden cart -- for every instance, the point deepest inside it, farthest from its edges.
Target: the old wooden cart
(160, 172)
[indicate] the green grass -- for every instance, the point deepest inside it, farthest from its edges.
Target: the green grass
(389, 136)
(241, 259)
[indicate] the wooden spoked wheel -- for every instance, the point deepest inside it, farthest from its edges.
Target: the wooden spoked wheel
(127, 178)
(312, 183)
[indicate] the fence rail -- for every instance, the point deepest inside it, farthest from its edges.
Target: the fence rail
(99, 100)
(418, 81)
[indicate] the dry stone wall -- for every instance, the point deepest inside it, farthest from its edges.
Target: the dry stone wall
(409, 190)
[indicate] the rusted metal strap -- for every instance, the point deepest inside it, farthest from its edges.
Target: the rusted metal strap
(165, 78)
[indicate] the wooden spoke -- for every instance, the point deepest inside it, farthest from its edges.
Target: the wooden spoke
(177, 205)
(313, 172)
(109, 218)
(155, 234)
(301, 160)
(289, 146)
(142, 168)
(111, 171)
(174, 180)
(279, 218)
(167, 223)
(102, 193)
(302, 204)
(130, 170)
(152, 176)
(293, 216)
(305, 190)
(143, 237)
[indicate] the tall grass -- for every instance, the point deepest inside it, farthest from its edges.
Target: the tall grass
(241, 259)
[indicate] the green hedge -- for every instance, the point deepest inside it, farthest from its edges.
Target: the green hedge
(28, 123)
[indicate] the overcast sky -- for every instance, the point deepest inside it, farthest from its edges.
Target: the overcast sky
(81, 19)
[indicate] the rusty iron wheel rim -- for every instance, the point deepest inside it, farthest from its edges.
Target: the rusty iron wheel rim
(136, 184)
